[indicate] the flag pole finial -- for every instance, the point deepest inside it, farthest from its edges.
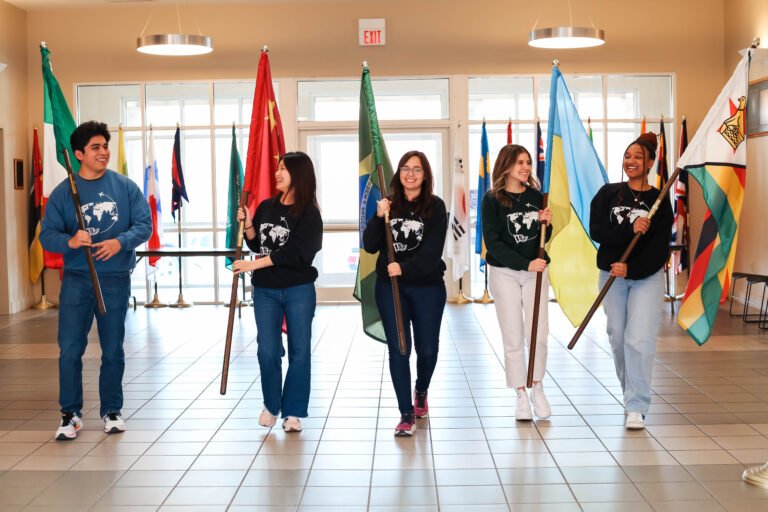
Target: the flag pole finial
(683, 117)
(556, 63)
(365, 64)
(150, 127)
(265, 48)
(756, 42)
(177, 124)
(43, 44)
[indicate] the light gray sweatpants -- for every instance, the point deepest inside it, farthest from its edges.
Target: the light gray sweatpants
(513, 293)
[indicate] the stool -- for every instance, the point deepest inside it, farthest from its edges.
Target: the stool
(746, 316)
(735, 277)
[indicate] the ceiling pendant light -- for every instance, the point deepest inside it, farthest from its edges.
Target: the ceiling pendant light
(566, 37)
(173, 45)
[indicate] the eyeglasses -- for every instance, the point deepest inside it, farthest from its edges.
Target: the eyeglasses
(416, 171)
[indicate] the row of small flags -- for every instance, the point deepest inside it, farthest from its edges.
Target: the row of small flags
(265, 143)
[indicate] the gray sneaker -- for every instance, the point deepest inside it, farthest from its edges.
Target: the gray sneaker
(70, 425)
(113, 423)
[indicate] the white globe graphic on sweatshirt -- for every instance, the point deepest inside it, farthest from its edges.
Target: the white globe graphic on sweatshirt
(101, 215)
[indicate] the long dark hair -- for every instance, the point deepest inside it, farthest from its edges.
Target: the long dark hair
(303, 181)
(397, 192)
(504, 162)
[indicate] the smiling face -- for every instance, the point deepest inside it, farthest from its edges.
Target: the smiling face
(520, 171)
(283, 178)
(412, 176)
(95, 156)
(636, 163)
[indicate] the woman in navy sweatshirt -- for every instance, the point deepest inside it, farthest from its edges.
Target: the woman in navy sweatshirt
(419, 223)
(285, 233)
(634, 301)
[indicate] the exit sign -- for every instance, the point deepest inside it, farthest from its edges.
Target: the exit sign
(372, 32)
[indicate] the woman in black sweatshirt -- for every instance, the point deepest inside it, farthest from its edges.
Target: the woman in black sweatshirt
(634, 301)
(285, 234)
(512, 211)
(419, 224)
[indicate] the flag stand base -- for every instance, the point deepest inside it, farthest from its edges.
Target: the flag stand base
(757, 475)
(44, 304)
(181, 303)
(155, 304)
(485, 299)
(459, 298)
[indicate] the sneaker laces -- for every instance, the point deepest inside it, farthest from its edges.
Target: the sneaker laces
(66, 418)
(407, 419)
(420, 399)
(111, 416)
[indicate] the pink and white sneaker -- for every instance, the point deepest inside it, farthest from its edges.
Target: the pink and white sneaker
(420, 404)
(406, 427)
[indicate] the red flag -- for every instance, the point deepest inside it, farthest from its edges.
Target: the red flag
(36, 259)
(265, 142)
(509, 132)
(152, 194)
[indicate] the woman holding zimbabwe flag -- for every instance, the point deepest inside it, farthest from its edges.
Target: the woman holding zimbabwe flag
(633, 304)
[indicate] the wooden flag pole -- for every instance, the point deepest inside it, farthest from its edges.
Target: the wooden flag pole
(391, 257)
(536, 300)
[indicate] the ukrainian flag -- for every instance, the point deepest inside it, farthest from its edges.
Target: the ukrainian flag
(573, 175)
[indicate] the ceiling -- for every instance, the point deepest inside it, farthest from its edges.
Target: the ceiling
(41, 4)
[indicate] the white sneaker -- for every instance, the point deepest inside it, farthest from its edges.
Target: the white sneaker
(635, 421)
(267, 419)
(113, 423)
(540, 403)
(292, 424)
(70, 425)
(523, 409)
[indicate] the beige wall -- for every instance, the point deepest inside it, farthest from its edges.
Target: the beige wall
(744, 20)
(425, 37)
(15, 292)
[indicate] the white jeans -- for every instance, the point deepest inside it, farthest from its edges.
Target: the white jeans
(513, 294)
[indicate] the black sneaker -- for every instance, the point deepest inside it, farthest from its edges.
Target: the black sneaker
(420, 405)
(406, 427)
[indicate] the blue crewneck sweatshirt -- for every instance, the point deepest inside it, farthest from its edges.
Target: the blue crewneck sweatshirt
(113, 206)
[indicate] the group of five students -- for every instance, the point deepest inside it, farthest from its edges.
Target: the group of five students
(285, 234)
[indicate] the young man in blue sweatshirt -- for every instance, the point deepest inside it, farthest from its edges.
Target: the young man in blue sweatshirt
(117, 221)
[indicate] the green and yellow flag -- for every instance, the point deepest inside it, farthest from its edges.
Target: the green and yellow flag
(122, 164)
(372, 153)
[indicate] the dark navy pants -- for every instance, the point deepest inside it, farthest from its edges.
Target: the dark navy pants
(423, 312)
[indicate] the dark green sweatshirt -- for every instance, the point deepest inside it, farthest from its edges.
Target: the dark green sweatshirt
(512, 234)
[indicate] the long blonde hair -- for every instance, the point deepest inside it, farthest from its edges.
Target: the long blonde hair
(507, 159)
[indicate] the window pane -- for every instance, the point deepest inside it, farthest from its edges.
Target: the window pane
(631, 97)
(620, 135)
(339, 100)
(500, 98)
(187, 104)
(233, 102)
(586, 92)
(337, 262)
(111, 104)
(336, 165)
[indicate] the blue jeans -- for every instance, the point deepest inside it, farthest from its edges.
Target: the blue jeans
(77, 307)
(633, 308)
(423, 309)
(297, 305)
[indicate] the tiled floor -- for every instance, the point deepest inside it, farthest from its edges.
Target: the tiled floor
(190, 449)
